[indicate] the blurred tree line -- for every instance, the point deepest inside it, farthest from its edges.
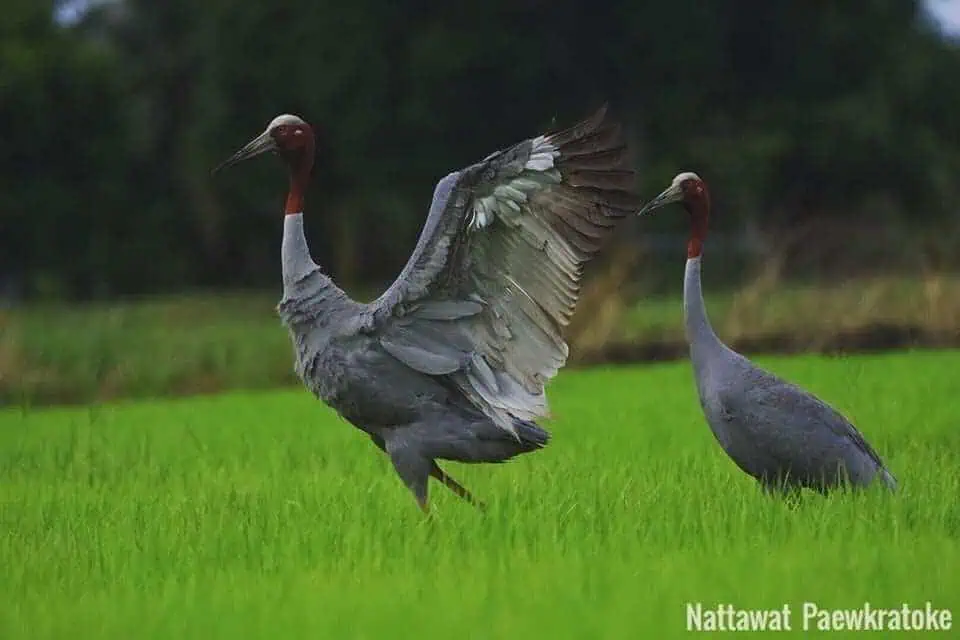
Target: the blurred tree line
(110, 126)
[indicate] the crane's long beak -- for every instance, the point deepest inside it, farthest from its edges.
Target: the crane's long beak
(670, 194)
(261, 144)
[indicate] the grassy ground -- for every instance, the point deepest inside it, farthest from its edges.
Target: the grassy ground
(262, 515)
(143, 348)
(204, 344)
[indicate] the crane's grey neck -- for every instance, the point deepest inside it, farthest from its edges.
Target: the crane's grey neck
(309, 295)
(294, 252)
(703, 341)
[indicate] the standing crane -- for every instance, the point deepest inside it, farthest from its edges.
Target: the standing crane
(451, 361)
(776, 432)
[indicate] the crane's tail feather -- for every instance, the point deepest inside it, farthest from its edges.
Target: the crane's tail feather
(888, 479)
(531, 434)
(492, 443)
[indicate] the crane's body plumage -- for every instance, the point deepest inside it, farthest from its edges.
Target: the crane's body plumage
(772, 429)
(451, 361)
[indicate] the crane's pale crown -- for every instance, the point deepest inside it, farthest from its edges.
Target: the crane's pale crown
(682, 177)
(285, 118)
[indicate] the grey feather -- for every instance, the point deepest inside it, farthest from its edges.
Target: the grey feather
(772, 429)
(447, 309)
(422, 357)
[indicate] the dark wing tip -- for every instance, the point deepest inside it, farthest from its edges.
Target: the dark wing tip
(595, 163)
(598, 182)
(597, 121)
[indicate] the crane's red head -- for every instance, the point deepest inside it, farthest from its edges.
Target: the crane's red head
(291, 138)
(688, 189)
(291, 135)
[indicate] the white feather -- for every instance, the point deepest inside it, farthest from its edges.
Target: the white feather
(540, 162)
(525, 184)
(511, 192)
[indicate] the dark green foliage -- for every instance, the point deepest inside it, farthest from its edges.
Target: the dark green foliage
(109, 128)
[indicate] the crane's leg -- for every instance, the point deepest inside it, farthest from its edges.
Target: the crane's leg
(455, 486)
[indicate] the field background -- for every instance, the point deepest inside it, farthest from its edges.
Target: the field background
(261, 514)
(162, 472)
(206, 343)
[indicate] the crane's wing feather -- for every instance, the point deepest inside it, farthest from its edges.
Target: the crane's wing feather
(495, 275)
(770, 399)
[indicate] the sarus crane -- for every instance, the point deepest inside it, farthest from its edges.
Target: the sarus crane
(773, 430)
(450, 362)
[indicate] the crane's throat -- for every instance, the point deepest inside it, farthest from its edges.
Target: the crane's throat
(300, 162)
(294, 203)
(298, 186)
(699, 213)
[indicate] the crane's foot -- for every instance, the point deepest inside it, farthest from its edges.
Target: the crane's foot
(456, 487)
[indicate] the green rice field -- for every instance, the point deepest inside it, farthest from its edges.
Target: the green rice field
(263, 515)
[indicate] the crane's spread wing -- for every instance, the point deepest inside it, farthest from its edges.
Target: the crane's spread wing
(495, 275)
(770, 399)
